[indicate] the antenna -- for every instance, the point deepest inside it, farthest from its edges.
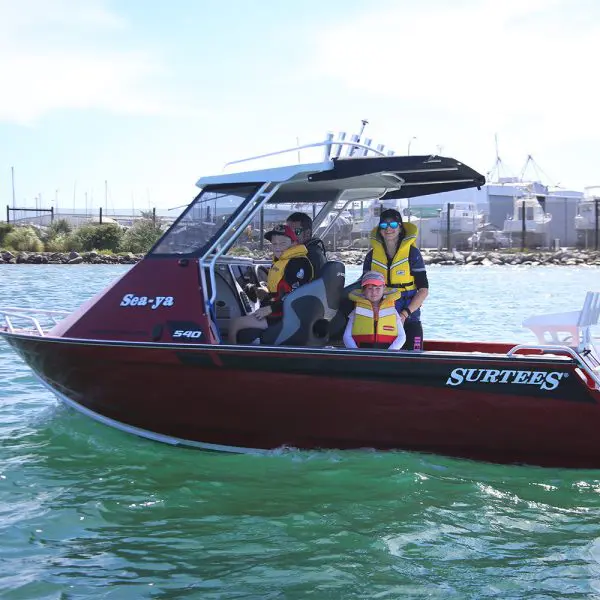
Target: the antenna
(358, 137)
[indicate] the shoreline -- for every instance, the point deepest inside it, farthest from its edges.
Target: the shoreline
(563, 257)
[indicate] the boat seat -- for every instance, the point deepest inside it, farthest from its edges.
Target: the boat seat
(339, 322)
(227, 305)
(307, 311)
(576, 324)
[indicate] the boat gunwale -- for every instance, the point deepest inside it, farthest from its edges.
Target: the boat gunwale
(320, 351)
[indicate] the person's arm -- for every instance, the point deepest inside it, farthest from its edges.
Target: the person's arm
(401, 339)
(417, 269)
(348, 339)
(416, 302)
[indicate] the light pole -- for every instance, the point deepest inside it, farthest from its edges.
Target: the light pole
(12, 176)
(409, 143)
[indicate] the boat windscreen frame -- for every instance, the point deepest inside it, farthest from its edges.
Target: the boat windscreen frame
(155, 253)
(233, 228)
(225, 239)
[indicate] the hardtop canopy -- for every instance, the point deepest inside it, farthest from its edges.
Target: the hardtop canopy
(389, 178)
(228, 202)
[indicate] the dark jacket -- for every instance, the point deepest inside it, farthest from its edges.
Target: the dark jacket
(316, 255)
(297, 272)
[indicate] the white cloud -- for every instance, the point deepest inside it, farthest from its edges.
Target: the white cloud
(491, 64)
(72, 54)
(37, 15)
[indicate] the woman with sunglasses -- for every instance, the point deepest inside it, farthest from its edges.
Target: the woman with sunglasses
(394, 254)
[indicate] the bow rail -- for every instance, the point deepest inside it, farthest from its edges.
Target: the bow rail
(40, 320)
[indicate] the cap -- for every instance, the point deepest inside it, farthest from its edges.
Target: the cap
(390, 213)
(372, 278)
(285, 230)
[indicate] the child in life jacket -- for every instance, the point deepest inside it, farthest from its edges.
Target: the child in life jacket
(374, 322)
(291, 268)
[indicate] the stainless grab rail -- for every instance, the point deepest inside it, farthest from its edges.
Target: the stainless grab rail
(581, 362)
(326, 144)
(12, 313)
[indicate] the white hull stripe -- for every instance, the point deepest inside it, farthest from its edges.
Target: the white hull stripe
(151, 435)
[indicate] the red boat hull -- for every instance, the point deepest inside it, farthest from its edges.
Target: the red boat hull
(265, 398)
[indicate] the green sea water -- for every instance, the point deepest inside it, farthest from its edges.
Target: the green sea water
(90, 512)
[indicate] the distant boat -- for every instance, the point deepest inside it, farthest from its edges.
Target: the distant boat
(459, 217)
(529, 216)
(586, 214)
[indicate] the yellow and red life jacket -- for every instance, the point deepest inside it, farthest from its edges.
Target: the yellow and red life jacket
(375, 326)
(277, 271)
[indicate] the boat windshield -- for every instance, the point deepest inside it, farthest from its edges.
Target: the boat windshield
(206, 217)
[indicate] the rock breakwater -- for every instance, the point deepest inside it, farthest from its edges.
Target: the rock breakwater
(565, 257)
(67, 258)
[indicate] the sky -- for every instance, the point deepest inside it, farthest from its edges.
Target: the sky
(140, 98)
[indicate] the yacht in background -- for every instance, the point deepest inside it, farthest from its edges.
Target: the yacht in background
(459, 219)
(529, 215)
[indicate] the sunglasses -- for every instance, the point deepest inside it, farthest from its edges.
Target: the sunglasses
(386, 224)
(298, 230)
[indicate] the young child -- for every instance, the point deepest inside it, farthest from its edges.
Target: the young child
(290, 269)
(374, 322)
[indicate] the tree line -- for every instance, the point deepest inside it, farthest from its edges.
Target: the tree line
(60, 236)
